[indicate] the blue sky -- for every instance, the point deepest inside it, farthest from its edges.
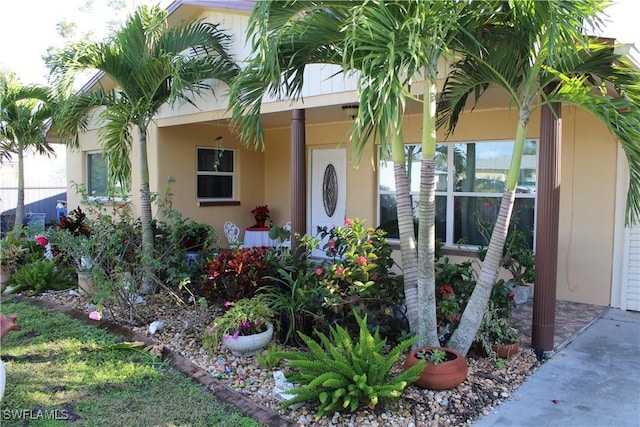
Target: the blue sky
(28, 28)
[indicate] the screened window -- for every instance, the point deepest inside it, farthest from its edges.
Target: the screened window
(97, 175)
(215, 174)
(98, 178)
(470, 179)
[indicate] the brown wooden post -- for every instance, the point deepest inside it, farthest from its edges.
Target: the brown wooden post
(547, 219)
(298, 176)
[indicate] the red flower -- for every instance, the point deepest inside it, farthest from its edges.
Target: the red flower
(319, 271)
(446, 289)
(42, 241)
(374, 277)
(332, 243)
(339, 271)
(262, 210)
(362, 260)
(348, 222)
(511, 295)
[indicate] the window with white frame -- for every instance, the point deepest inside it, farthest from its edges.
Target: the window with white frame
(97, 175)
(98, 178)
(470, 180)
(216, 180)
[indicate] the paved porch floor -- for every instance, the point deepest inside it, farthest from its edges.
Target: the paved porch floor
(571, 318)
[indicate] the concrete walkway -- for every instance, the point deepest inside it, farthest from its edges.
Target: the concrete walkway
(593, 381)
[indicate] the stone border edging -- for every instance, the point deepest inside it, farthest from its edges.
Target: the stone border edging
(247, 406)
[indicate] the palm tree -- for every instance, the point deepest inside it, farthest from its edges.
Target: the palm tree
(388, 45)
(538, 54)
(25, 114)
(150, 64)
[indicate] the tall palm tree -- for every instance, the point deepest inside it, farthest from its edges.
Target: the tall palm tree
(536, 51)
(25, 114)
(388, 44)
(151, 64)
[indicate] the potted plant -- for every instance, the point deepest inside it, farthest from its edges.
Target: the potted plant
(520, 261)
(245, 328)
(496, 336)
(195, 236)
(261, 214)
(445, 367)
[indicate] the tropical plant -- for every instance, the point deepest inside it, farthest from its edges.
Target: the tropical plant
(151, 64)
(289, 35)
(25, 114)
(538, 53)
(435, 355)
(40, 276)
(247, 316)
(296, 297)
(495, 330)
(235, 273)
(339, 373)
(12, 252)
(519, 259)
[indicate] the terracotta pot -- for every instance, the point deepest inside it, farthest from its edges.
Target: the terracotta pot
(248, 345)
(505, 351)
(260, 223)
(444, 375)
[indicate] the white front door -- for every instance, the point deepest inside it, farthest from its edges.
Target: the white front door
(328, 190)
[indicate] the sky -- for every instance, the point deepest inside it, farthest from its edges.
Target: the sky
(28, 27)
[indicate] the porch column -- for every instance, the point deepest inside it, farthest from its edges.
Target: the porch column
(548, 195)
(298, 176)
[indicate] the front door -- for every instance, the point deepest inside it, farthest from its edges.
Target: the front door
(328, 190)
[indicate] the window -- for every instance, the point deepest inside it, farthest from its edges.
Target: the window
(98, 178)
(215, 174)
(97, 175)
(470, 179)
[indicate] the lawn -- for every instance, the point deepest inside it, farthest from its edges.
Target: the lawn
(60, 370)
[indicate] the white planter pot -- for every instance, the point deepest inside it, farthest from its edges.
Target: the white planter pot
(521, 294)
(248, 345)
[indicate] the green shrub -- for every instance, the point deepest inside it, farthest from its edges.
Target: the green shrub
(41, 276)
(347, 375)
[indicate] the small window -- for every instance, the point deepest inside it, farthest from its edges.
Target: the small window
(98, 178)
(215, 174)
(97, 175)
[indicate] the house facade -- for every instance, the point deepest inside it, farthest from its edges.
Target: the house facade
(598, 257)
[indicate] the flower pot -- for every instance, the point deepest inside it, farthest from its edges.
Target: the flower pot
(521, 293)
(505, 351)
(4, 277)
(248, 345)
(260, 222)
(444, 375)
(85, 283)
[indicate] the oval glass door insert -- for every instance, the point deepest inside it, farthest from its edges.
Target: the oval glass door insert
(330, 190)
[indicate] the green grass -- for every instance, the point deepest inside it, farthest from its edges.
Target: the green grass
(58, 367)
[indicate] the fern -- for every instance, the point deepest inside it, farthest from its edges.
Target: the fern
(341, 374)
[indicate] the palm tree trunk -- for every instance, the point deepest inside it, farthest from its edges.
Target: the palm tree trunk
(428, 323)
(465, 334)
(17, 225)
(145, 215)
(406, 230)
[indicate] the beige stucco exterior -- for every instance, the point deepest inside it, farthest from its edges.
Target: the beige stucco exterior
(588, 181)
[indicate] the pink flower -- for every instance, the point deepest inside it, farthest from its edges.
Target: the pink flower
(362, 260)
(339, 271)
(95, 315)
(332, 243)
(42, 241)
(227, 304)
(348, 222)
(319, 271)
(245, 324)
(374, 277)
(236, 335)
(212, 329)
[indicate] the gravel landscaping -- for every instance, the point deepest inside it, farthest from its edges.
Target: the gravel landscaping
(487, 385)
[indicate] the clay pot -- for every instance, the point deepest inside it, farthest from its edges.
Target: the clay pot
(505, 351)
(444, 375)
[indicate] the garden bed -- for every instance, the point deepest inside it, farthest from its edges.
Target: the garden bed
(487, 385)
